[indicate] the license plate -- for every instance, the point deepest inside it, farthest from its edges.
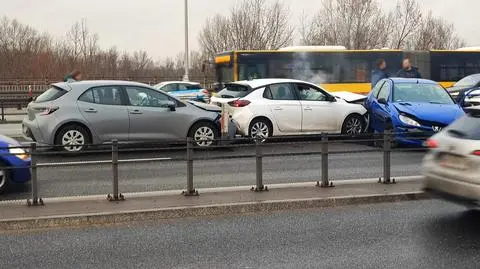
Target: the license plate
(453, 161)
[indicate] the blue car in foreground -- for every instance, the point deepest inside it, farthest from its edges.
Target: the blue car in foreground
(187, 91)
(14, 163)
(413, 109)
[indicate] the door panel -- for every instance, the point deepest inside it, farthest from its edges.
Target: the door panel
(380, 112)
(102, 108)
(285, 107)
(149, 113)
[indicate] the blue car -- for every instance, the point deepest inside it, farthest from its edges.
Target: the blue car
(187, 91)
(413, 109)
(14, 163)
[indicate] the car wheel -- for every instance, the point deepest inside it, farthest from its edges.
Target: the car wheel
(260, 129)
(353, 125)
(4, 177)
(203, 134)
(72, 138)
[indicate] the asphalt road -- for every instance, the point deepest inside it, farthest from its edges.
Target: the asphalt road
(224, 172)
(418, 234)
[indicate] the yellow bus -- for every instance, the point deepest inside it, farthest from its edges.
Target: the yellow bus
(337, 69)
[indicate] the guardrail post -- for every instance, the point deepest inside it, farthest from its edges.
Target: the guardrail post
(35, 201)
(325, 183)
(115, 196)
(387, 147)
(190, 190)
(259, 167)
(3, 111)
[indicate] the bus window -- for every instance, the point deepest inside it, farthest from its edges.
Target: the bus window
(224, 73)
(453, 66)
(252, 71)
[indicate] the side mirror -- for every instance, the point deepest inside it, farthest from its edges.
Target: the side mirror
(172, 106)
(331, 98)
(382, 101)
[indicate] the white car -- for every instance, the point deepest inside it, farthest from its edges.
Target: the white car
(452, 167)
(278, 107)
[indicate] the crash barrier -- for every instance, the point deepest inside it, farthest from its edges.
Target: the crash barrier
(383, 143)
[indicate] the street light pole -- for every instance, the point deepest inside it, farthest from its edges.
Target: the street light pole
(186, 61)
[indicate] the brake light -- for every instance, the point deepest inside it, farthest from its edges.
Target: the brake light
(49, 110)
(431, 144)
(239, 103)
(476, 153)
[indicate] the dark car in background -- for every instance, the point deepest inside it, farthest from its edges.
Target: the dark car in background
(466, 91)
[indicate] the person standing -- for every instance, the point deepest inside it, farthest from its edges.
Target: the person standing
(380, 72)
(408, 71)
(73, 77)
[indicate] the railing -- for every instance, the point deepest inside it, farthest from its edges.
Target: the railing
(191, 157)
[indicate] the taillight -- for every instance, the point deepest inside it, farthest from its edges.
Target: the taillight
(49, 110)
(476, 153)
(205, 92)
(431, 144)
(239, 103)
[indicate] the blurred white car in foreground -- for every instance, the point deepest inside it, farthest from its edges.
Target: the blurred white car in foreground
(452, 167)
(278, 107)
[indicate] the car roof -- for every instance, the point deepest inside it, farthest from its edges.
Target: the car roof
(413, 80)
(184, 82)
(94, 83)
(257, 83)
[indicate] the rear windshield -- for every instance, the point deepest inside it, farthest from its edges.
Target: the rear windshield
(49, 95)
(467, 127)
(234, 91)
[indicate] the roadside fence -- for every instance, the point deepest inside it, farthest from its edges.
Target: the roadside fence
(383, 144)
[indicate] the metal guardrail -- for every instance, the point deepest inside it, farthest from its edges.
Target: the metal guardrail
(189, 147)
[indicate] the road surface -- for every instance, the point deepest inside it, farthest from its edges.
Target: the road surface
(170, 175)
(418, 234)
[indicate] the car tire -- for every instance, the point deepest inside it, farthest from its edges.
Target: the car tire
(203, 134)
(72, 138)
(353, 125)
(4, 177)
(260, 129)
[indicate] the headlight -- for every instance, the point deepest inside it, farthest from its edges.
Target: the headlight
(408, 120)
(20, 153)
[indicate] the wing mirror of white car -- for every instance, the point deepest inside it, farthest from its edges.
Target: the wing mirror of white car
(171, 105)
(331, 98)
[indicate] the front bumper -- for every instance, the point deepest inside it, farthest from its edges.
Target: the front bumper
(452, 190)
(412, 136)
(20, 172)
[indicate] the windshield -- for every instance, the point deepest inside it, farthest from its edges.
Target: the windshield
(233, 91)
(467, 127)
(421, 93)
(469, 81)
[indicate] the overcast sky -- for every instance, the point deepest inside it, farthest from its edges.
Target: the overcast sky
(157, 25)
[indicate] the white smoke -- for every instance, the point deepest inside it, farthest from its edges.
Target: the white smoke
(302, 70)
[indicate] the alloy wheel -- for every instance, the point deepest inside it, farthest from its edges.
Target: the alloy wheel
(259, 130)
(3, 178)
(353, 126)
(73, 141)
(204, 136)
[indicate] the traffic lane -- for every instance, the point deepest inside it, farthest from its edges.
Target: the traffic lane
(170, 175)
(417, 234)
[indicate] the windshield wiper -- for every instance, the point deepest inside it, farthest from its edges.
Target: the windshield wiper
(438, 103)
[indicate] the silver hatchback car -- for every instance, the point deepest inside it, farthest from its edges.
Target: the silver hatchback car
(76, 114)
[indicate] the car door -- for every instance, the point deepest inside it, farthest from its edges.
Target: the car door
(380, 112)
(319, 113)
(284, 107)
(149, 112)
(105, 111)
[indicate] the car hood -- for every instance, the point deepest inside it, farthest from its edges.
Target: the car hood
(445, 114)
(350, 97)
(207, 107)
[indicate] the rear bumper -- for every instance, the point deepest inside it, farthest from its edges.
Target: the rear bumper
(452, 190)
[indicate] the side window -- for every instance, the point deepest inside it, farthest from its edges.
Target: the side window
(384, 91)
(309, 93)
(144, 97)
(169, 87)
(109, 95)
(282, 91)
(182, 87)
(377, 88)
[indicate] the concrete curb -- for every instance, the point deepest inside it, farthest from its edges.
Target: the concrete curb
(199, 211)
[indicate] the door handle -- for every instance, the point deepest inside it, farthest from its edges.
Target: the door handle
(136, 111)
(91, 110)
(278, 108)
(308, 108)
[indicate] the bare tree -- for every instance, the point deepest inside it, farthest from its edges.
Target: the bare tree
(408, 18)
(252, 24)
(435, 33)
